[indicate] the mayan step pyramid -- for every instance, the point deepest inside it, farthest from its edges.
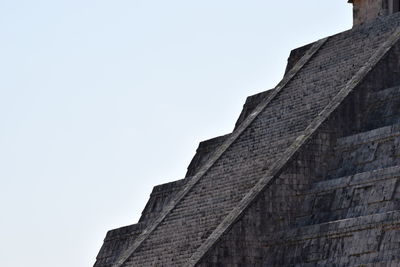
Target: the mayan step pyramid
(309, 176)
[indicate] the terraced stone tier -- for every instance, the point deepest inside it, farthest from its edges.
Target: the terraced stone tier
(384, 108)
(389, 263)
(367, 151)
(357, 195)
(159, 198)
(350, 242)
(251, 103)
(203, 153)
(116, 242)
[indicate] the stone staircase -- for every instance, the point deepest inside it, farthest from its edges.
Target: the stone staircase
(352, 217)
(307, 178)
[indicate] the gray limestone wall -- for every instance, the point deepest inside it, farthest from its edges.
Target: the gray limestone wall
(251, 103)
(117, 241)
(296, 55)
(203, 153)
(159, 198)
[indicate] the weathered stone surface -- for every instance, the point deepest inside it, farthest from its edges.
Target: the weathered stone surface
(159, 198)
(116, 242)
(366, 10)
(204, 152)
(250, 105)
(296, 55)
(309, 176)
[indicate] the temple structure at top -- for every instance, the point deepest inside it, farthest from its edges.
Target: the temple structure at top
(366, 10)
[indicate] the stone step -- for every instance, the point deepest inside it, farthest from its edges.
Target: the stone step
(116, 241)
(383, 109)
(385, 259)
(159, 198)
(349, 242)
(356, 153)
(351, 196)
(389, 263)
(366, 151)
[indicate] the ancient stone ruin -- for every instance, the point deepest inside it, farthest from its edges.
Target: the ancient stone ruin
(309, 176)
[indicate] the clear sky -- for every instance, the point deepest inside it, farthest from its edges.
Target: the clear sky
(100, 100)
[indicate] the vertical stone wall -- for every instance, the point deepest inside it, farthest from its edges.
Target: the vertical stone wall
(365, 10)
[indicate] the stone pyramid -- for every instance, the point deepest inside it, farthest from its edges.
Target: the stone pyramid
(309, 176)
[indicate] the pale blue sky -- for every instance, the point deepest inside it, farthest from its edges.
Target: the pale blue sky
(101, 100)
